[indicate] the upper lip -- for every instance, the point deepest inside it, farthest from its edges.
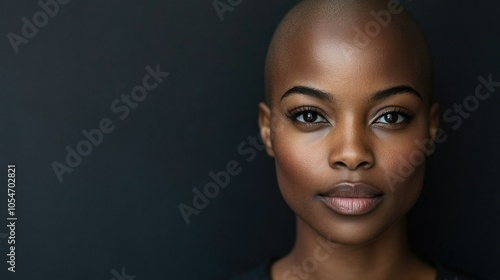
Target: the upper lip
(352, 190)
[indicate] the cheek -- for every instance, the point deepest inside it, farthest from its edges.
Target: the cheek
(300, 165)
(403, 165)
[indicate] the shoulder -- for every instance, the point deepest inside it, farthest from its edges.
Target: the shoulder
(446, 273)
(261, 272)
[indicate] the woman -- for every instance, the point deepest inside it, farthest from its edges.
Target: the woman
(349, 119)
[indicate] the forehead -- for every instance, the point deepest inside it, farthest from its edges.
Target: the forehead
(344, 58)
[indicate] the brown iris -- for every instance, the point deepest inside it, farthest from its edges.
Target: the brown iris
(391, 117)
(310, 117)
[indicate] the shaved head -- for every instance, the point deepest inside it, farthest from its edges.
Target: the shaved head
(360, 32)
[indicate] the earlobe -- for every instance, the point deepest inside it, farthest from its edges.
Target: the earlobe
(433, 121)
(265, 127)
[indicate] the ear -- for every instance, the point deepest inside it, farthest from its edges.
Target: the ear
(433, 121)
(265, 127)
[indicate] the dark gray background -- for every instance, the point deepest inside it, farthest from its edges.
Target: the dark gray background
(119, 207)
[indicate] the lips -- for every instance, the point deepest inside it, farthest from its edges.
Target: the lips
(352, 199)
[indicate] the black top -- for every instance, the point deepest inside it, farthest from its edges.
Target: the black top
(262, 272)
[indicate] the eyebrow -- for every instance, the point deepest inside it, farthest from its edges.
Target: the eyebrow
(316, 93)
(379, 95)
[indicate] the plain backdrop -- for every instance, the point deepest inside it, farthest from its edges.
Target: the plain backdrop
(117, 211)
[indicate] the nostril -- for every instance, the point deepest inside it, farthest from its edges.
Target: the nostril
(364, 164)
(352, 166)
(340, 164)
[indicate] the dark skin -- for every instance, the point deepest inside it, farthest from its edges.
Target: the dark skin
(338, 112)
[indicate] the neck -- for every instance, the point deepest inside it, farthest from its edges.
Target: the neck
(387, 257)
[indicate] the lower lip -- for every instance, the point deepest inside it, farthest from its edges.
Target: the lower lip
(352, 206)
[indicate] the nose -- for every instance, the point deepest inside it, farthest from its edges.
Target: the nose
(350, 147)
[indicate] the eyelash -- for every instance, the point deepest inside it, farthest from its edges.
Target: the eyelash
(407, 115)
(295, 113)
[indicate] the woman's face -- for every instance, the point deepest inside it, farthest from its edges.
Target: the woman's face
(348, 129)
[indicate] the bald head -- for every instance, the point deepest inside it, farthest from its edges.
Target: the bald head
(353, 33)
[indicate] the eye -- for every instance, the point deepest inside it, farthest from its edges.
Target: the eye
(394, 118)
(309, 117)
